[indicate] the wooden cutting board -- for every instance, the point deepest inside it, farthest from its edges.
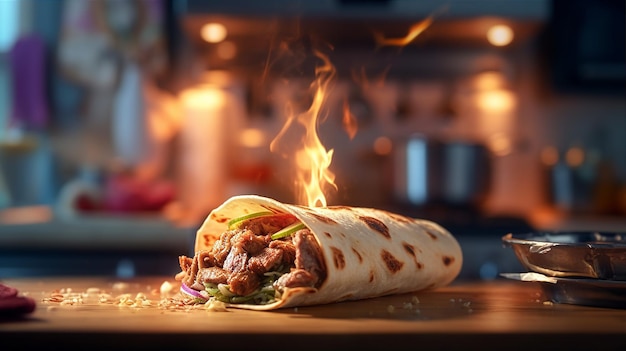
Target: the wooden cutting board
(493, 315)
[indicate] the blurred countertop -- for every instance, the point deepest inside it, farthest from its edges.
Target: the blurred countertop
(39, 227)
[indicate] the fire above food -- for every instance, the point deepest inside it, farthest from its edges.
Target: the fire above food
(257, 253)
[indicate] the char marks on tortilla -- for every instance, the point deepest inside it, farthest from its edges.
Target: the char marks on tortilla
(393, 264)
(323, 219)
(358, 255)
(218, 218)
(397, 218)
(409, 248)
(432, 236)
(338, 258)
(376, 225)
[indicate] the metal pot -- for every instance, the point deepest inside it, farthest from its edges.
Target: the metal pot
(440, 172)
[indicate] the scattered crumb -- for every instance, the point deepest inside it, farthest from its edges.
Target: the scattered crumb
(548, 303)
(166, 288)
(97, 296)
(216, 306)
(391, 309)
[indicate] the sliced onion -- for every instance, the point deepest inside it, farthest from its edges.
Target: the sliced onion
(192, 292)
(223, 288)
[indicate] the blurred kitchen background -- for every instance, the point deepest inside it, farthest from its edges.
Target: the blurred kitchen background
(123, 123)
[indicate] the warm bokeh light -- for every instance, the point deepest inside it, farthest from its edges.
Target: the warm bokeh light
(201, 175)
(496, 101)
(227, 50)
(489, 81)
(213, 32)
(200, 97)
(500, 35)
(549, 156)
(252, 138)
(216, 78)
(500, 144)
(383, 146)
(575, 156)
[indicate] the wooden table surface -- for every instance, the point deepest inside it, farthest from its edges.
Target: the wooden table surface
(498, 315)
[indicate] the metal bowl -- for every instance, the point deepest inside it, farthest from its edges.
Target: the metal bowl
(577, 291)
(572, 254)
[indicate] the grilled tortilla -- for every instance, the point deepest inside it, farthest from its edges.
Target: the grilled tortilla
(362, 252)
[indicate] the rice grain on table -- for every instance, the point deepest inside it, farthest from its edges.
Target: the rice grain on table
(168, 299)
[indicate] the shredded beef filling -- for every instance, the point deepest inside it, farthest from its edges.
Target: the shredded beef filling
(242, 256)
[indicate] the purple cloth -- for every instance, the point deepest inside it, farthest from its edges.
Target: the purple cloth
(28, 66)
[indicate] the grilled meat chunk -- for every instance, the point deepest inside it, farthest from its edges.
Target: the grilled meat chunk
(191, 266)
(265, 261)
(215, 275)
(296, 278)
(241, 257)
(244, 283)
(309, 267)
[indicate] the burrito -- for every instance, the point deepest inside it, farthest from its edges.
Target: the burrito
(257, 253)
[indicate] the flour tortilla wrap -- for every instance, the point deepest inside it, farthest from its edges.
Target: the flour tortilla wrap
(367, 252)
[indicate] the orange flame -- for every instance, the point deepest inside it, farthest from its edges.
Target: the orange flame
(312, 160)
(349, 121)
(414, 31)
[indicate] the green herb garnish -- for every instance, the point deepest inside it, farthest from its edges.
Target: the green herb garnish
(237, 221)
(287, 231)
